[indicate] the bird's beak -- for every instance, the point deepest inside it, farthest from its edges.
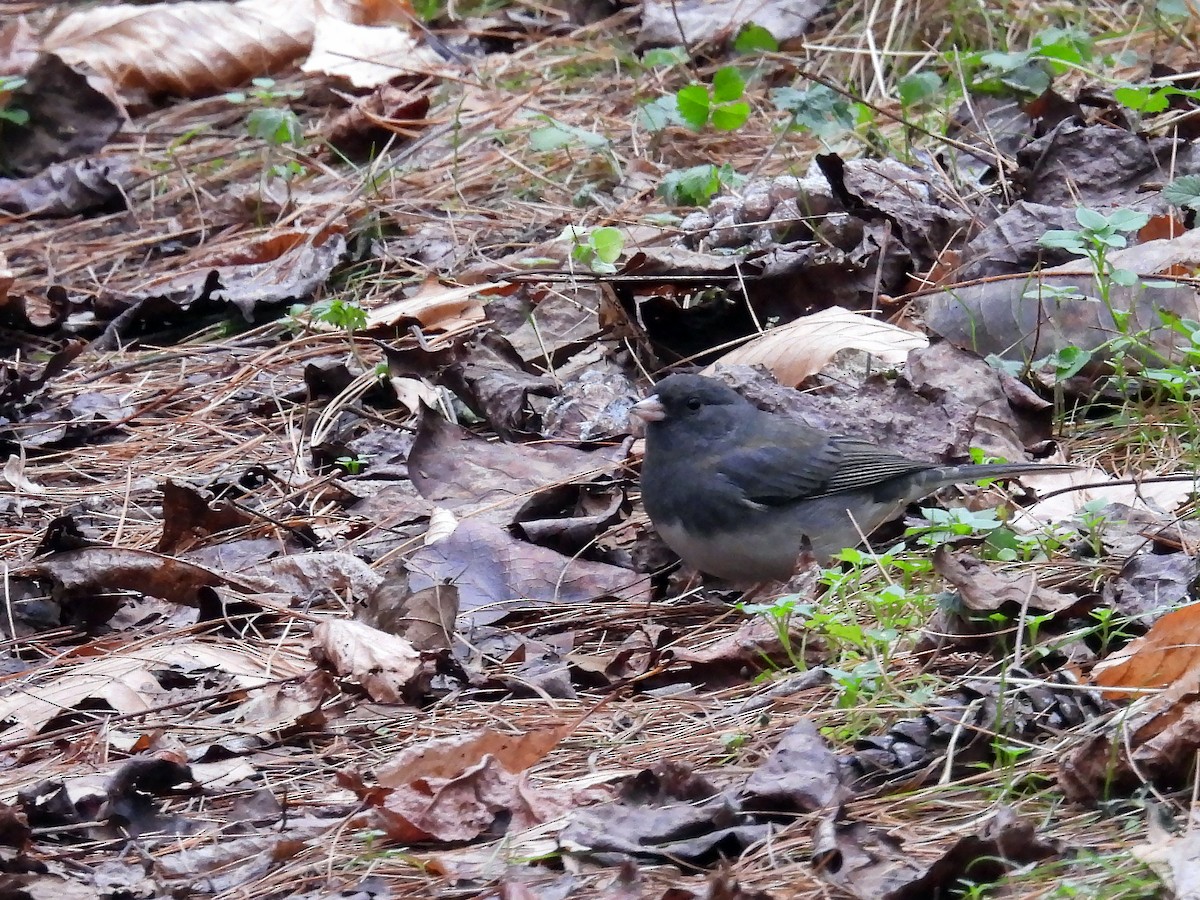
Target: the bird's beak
(649, 410)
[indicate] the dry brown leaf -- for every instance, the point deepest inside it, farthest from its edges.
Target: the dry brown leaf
(196, 48)
(802, 348)
(451, 310)
(1167, 653)
(285, 264)
(448, 757)
(984, 589)
(481, 799)
(101, 569)
(388, 113)
(1155, 743)
(281, 707)
(385, 665)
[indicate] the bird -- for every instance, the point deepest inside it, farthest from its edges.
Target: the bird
(736, 491)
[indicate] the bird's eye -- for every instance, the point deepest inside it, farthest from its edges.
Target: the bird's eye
(693, 403)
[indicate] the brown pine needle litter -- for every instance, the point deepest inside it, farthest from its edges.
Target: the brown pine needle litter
(279, 743)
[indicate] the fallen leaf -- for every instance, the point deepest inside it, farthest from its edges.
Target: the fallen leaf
(451, 310)
(367, 56)
(447, 757)
(805, 346)
(199, 47)
(497, 575)
(1167, 654)
(388, 667)
(983, 589)
(127, 680)
(1175, 858)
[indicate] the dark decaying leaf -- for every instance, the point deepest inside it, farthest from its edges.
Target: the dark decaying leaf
(68, 118)
(997, 126)
(591, 406)
(670, 811)
(924, 207)
(280, 267)
(91, 184)
(454, 468)
(914, 750)
(1018, 318)
(1098, 166)
(545, 326)
(492, 380)
(122, 803)
(497, 575)
(312, 578)
(14, 827)
(189, 517)
(1150, 584)
(426, 618)
(1155, 745)
(570, 518)
(873, 865)
(388, 115)
(80, 575)
(802, 774)
(1010, 244)
(667, 811)
(986, 590)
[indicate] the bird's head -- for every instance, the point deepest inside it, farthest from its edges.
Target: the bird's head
(706, 405)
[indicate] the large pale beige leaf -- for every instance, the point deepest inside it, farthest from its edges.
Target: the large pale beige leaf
(1175, 858)
(197, 48)
(1167, 653)
(804, 347)
(367, 55)
(7, 279)
(18, 49)
(385, 665)
(126, 681)
(1161, 497)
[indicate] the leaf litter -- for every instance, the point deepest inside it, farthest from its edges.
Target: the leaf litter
(325, 568)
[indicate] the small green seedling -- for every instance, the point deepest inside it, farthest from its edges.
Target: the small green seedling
(352, 465)
(755, 39)
(265, 91)
(818, 109)
(597, 248)
(720, 105)
(13, 114)
(698, 185)
(344, 314)
(1098, 235)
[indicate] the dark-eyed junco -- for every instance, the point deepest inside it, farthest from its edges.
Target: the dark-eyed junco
(734, 490)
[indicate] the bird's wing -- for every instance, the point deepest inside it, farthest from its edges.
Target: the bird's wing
(776, 467)
(862, 465)
(786, 469)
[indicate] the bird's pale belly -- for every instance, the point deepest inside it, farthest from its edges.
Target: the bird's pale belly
(778, 535)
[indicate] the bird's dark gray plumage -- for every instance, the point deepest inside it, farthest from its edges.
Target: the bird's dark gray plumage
(734, 490)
